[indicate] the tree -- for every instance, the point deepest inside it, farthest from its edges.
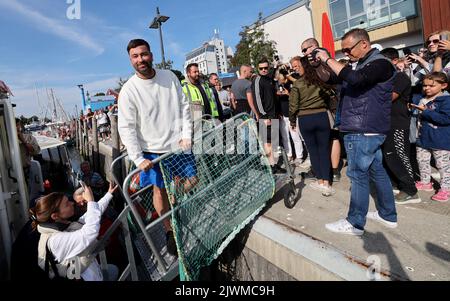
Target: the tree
(254, 45)
(169, 65)
(120, 84)
(99, 94)
(178, 73)
(23, 119)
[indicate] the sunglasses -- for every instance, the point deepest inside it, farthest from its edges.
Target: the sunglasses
(306, 49)
(349, 50)
(436, 41)
(263, 68)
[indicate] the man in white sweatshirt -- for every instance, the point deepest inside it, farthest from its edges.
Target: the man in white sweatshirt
(153, 119)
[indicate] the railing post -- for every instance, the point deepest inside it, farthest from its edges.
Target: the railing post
(95, 149)
(76, 133)
(85, 140)
(80, 136)
(115, 146)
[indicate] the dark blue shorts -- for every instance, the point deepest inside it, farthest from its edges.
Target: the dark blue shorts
(182, 165)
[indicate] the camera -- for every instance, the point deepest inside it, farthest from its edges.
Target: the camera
(313, 54)
(285, 70)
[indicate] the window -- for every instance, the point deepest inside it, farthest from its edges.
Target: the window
(368, 14)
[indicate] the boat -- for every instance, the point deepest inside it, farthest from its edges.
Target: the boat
(52, 166)
(13, 193)
(35, 127)
(55, 163)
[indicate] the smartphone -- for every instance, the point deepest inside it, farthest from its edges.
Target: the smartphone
(443, 37)
(407, 51)
(82, 184)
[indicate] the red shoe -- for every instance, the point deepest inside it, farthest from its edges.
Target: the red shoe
(424, 187)
(442, 196)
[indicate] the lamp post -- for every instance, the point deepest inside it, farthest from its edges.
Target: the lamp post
(156, 24)
(82, 97)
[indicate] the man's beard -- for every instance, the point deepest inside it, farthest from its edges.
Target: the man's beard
(149, 69)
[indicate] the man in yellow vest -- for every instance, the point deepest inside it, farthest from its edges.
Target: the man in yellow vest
(199, 94)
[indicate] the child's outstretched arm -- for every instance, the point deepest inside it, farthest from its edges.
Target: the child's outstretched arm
(440, 117)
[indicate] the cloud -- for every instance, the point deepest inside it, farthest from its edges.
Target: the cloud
(24, 79)
(52, 26)
(112, 34)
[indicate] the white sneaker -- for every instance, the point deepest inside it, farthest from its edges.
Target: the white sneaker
(344, 227)
(316, 186)
(306, 164)
(297, 162)
(328, 191)
(376, 217)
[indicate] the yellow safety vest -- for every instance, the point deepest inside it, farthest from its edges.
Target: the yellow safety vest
(195, 96)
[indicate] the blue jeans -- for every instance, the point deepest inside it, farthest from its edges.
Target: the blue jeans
(364, 163)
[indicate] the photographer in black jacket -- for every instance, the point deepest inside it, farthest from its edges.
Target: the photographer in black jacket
(365, 107)
(264, 95)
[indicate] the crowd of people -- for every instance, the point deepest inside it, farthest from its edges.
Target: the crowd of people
(102, 118)
(383, 114)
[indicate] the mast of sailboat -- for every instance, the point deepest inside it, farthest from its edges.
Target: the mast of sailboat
(55, 113)
(41, 108)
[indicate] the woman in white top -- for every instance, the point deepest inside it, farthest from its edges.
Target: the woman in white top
(68, 242)
(102, 124)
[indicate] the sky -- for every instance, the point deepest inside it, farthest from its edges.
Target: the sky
(50, 44)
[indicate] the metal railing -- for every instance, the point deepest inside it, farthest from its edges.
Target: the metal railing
(167, 271)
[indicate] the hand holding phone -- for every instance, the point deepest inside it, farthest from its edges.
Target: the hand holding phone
(444, 45)
(418, 107)
(87, 192)
(82, 184)
(112, 187)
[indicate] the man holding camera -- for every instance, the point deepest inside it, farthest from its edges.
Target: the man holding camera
(366, 98)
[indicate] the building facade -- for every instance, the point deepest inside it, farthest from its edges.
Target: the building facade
(435, 15)
(212, 57)
(221, 53)
(288, 28)
(205, 57)
(390, 23)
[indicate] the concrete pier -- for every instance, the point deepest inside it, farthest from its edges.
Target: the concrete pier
(293, 244)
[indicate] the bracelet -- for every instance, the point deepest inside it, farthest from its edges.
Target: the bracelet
(326, 61)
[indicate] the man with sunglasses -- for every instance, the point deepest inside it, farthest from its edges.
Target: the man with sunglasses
(307, 47)
(365, 107)
(264, 95)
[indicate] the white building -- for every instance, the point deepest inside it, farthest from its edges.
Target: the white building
(289, 27)
(205, 57)
(212, 57)
(221, 54)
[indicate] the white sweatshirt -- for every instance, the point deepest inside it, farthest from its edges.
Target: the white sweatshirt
(65, 245)
(154, 115)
